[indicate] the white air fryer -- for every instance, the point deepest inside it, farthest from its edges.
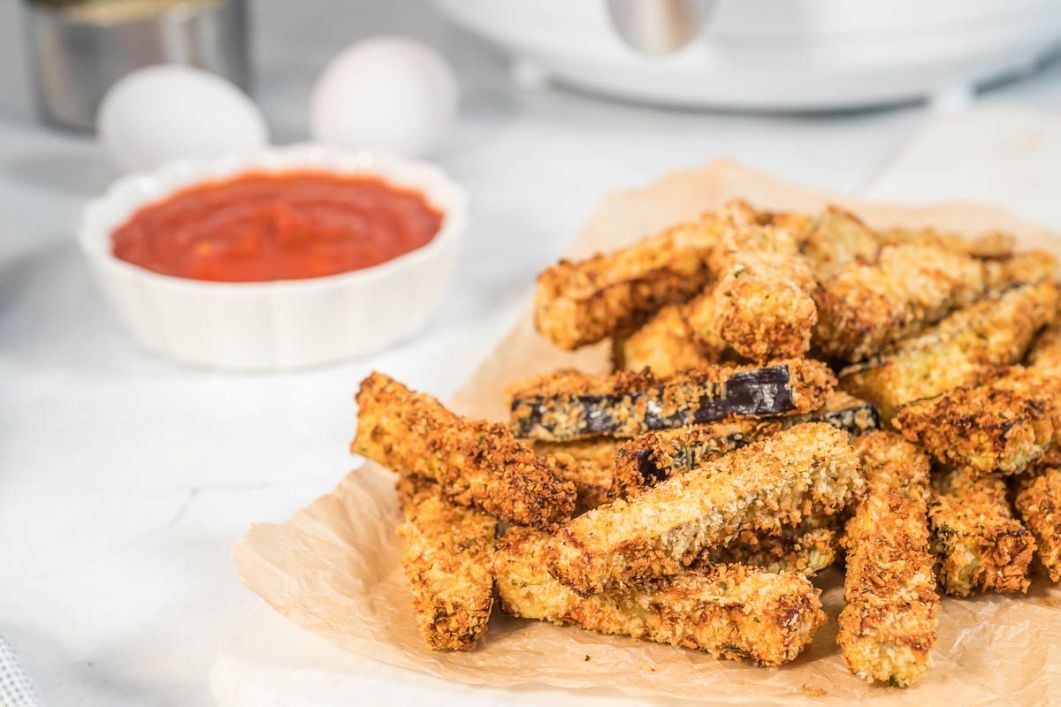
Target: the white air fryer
(772, 55)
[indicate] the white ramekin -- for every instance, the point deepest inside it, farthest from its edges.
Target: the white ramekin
(287, 323)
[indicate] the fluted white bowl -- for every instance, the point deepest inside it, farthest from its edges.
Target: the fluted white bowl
(284, 323)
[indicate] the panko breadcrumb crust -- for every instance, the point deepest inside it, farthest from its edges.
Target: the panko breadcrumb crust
(447, 555)
(888, 625)
(728, 611)
(1038, 501)
(863, 308)
(656, 456)
(476, 463)
(1004, 425)
(568, 404)
(762, 487)
(963, 349)
(806, 549)
(979, 545)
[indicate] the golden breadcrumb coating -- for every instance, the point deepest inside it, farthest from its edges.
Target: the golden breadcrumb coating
(762, 487)
(447, 555)
(579, 303)
(888, 626)
(960, 350)
(1003, 425)
(863, 308)
(989, 245)
(806, 549)
(568, 404)
(762, 306)
(979, 545)
(653, 457)
(585, 463)
(727, 611)
(837, 239)
(1021, 268)
(666, 344)
(1045, 353)
(1038, 501)
(476, 463)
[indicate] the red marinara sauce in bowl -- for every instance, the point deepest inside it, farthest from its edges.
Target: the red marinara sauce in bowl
(290, 258)
(260, 227)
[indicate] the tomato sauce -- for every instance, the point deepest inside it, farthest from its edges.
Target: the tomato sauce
(259, 227)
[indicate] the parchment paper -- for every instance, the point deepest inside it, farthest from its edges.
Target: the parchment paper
(333, 568)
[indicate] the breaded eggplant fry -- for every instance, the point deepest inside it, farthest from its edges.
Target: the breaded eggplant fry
(1038, 501)
(579, 303)
(762, 307)
(587, 464)
(1045, 353)
(960, 350)
(888, 626)
(1004, 425)
(447, 555)
(991, 245)
(979, 545)
(806, 549)
(727, 611)
(864, 308)
(570, 405)
(1021, 269)
(808, 469)
(476, 463)
(837, 239)
(656, 456)
(666, 344)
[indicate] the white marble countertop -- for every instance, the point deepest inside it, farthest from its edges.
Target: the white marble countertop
(125, 479)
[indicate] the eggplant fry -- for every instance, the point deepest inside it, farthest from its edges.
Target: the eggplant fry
(864, 308)
(585, 463)
(653, 457)
(447, 555)
(960, 350)
(728, 611)
(1021, 269)
(580, 303)
(570, 405)
(888, 625)
(666, 344)
(1045, 354)
(1038, 501)
(837, 239)
(476, 463)
(806, 549)
(979, 545)
(992, 245)
(1004, 425)
(808, 469)
(762, 307)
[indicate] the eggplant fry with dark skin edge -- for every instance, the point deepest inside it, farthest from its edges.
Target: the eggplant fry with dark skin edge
(979, 545)
(447, 555)
(728, 611)
(476, 463)
(1004, 425)
(806, 470)
(1038, 501)
(650, 458)
(963, 349)
(571, 405)
(888, 625)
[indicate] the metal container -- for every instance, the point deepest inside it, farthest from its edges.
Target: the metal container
(79, 50)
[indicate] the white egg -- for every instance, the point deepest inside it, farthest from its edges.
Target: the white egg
(390, 93)
(163, 113)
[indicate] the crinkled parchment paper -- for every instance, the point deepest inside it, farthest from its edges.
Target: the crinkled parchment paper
(333, 568)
